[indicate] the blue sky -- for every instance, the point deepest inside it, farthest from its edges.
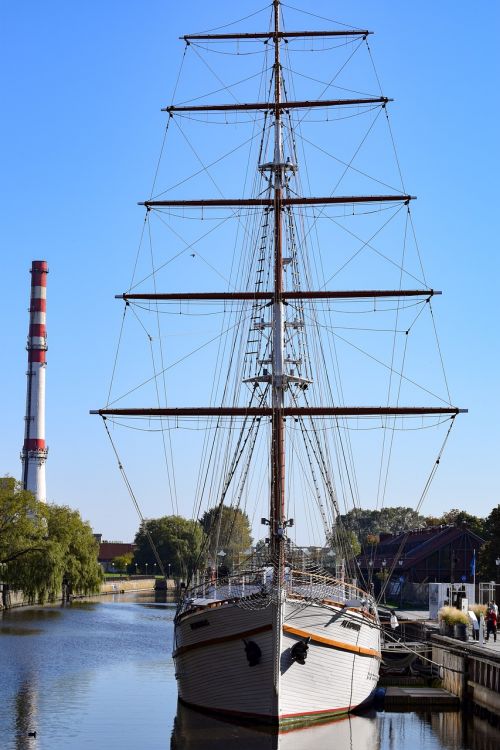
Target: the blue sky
(81, 129)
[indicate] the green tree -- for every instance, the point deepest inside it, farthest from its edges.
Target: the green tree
(367, 524)
(228, 531)
(122, 562)
(456, 517)
(43, 546)
(344, 542)
(398, 519)
(490, 552)
(22, 527)
(177, 540)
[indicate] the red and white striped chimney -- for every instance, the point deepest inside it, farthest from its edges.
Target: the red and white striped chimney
(34, 452)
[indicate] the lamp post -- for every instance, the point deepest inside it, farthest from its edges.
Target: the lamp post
(146, 568)
(401, 584)
(331, 563)
(169, 570)
(383, 571)
(2, 569)
(371, 587)
(222, 555)
(497, 563)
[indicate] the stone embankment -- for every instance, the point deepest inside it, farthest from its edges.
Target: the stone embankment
(465, 671)
(10, 599)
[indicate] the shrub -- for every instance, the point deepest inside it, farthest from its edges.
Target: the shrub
(453, 616)
(479, 609)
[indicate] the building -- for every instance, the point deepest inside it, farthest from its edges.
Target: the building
(427, 555)
(108, 551)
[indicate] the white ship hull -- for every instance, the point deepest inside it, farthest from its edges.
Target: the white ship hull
(340, 670)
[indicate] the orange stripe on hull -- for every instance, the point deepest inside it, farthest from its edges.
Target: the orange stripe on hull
(223, 639)
(361, 650)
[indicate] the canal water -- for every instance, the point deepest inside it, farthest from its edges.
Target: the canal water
(98, 674)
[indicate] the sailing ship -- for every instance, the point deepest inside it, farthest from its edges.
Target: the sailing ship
(275, 638)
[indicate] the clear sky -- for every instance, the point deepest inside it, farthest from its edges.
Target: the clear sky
(80, 132)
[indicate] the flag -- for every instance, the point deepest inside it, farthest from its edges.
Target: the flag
(473, 564)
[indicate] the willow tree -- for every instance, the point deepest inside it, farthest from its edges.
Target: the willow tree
(44, 546)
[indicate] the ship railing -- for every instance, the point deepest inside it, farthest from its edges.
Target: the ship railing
(257, 584)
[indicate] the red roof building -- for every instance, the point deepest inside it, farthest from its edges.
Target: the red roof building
(109, 550)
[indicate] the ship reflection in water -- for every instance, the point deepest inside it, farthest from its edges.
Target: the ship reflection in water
(195, 730)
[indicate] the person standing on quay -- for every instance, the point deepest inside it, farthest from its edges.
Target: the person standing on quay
(491, 624)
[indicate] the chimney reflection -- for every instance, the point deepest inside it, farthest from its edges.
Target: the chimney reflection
(26, 715)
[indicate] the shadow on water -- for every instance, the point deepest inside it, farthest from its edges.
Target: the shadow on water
(12, 630)
(18, 621)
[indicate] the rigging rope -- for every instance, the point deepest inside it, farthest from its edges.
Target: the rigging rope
(134, 500)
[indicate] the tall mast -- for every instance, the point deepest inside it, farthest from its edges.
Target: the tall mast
(277, 509)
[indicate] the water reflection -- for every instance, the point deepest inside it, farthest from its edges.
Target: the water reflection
(26, 705)
(99, 675)
(194, 730)
(456, 733)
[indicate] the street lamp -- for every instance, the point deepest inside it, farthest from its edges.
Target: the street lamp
(154, 571)
(146, 568)
(384, 579)
(169, 570)
(136, 566)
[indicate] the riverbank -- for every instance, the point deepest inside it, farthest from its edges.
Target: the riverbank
(13, 599)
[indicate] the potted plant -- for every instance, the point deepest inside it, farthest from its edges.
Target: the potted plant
(460, 625)
(448, 617)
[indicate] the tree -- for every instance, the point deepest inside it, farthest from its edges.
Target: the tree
(177, 541)
(490, 552)
(228, 531)
(22, 527)
(344, 541)
(456, 517)
(122, 562)
(45, 546)
(367, 524)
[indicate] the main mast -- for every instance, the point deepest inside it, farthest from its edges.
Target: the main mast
(277, 509)
(277, 202)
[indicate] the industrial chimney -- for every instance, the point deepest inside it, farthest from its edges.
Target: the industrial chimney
(34, 452)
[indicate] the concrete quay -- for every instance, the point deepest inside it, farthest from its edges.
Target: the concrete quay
(408, 698)
(469, 671)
